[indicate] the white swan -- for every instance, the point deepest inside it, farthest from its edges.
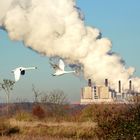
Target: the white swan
(21, 71)
(59, 69)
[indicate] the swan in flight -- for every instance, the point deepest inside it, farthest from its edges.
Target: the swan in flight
(59, 69)
(21, 71)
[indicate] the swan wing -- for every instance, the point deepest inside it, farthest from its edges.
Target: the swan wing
(17, 74)
(61, 65)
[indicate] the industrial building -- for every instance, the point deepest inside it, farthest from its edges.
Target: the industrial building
(104, 94)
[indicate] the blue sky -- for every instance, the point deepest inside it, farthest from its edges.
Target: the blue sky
(117, 20)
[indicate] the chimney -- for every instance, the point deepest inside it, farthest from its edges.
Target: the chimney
(89, 83)
(119, 86)
(130, 85)
(106, 82)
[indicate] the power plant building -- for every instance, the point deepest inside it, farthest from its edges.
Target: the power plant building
(103, 93)
(91, 94)
(87, 93)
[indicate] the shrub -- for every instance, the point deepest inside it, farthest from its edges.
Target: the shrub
(87, 113)
(38, 111)
(121, 122)
(115, 121)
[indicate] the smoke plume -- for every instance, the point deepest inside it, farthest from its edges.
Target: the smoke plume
(56, 28)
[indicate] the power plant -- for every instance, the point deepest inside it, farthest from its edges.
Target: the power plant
(104, 94)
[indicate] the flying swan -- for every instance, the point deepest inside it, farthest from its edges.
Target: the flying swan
(59, 69)
(21, 71)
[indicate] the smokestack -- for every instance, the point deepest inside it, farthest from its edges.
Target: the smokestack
(89, 83)
(106, 82)
(119, 86)
(130, 85)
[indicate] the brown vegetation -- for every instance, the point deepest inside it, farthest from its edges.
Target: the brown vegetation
(106, 121)
(52, 117)
(38, 111)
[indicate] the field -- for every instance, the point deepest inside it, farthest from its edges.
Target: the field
(95, 122)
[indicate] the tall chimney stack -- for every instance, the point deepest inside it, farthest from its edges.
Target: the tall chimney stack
(119, 86)
(130, 85)
(106, 82)
(89, 83)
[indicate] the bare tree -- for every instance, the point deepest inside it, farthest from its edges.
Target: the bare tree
(56, 100)
(37, 93)
(55, 97)
(7, 86)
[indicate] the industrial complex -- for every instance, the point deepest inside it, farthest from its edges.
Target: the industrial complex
(104, 94)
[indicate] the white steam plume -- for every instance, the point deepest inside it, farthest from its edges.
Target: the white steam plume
(55, 28)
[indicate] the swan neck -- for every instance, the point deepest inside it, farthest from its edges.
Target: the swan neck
(69, 71)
